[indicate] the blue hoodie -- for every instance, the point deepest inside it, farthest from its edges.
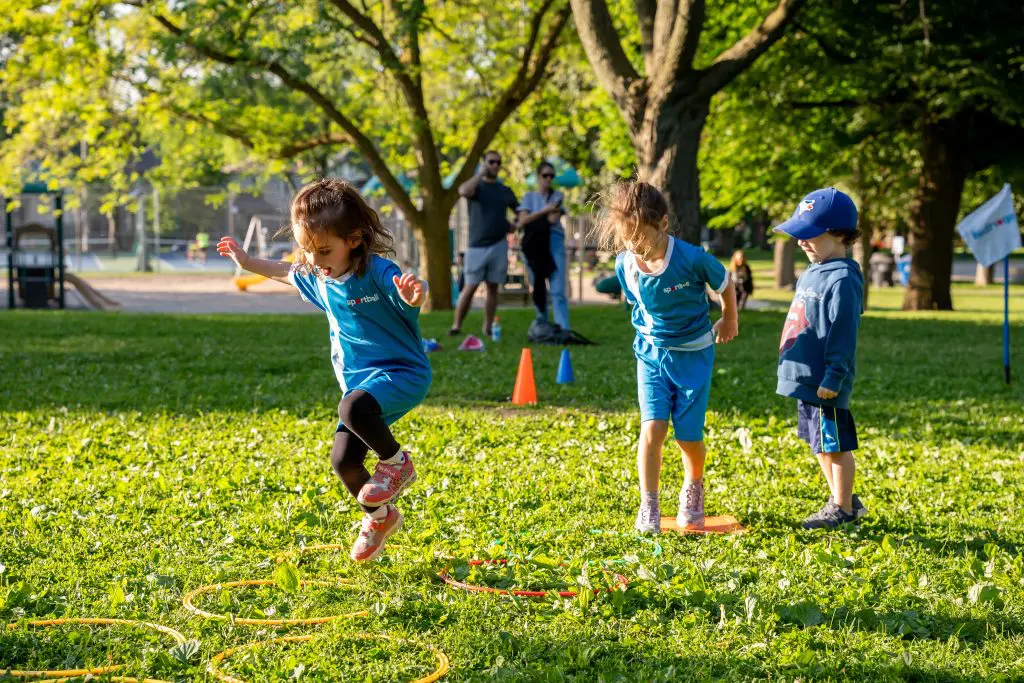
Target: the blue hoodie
(819, 341)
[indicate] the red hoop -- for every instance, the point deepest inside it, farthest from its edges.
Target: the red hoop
(622, 583)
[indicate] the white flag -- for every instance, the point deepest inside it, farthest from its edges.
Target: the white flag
(992, 232)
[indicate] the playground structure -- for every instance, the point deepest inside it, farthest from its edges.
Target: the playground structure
(256, 229)
(35, 262)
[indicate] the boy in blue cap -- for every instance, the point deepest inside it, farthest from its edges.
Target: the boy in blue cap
(819, 346)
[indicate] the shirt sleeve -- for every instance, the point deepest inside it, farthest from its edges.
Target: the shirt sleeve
(308, 286)
(713, 272)
(620, 272)
(513, 203)
(844, 309)
(384, 277)
(525, 204)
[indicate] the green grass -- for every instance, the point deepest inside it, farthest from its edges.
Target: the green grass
(144, 456)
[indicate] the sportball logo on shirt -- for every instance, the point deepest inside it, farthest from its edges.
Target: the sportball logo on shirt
(364, 300)
(676, 288)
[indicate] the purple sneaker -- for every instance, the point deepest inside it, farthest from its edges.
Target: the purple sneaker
(691, 506)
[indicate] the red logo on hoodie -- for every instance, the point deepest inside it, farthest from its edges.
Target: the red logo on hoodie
(796, 322)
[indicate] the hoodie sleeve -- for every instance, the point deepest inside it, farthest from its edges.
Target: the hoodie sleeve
(844, 309)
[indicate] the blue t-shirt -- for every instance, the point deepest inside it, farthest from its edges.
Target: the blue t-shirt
(670, 307)
(372, 330)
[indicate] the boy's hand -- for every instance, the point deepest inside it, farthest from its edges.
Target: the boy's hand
(826, 393)
(726, 329)
(229, 247)
(411, 289)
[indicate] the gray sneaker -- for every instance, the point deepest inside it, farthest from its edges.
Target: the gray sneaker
(648, 518)
(829, 517)
(858, 507)
(691, 506)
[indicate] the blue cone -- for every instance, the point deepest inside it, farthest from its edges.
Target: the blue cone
(565, 375)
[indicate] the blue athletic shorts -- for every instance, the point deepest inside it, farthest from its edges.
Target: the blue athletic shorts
(675, 384)
(825, 429)
(396, 392)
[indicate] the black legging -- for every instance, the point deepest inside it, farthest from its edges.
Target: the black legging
(540, 296)
(363, 428)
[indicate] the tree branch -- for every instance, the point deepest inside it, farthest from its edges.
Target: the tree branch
(526, 81)
(676, 55)
(604, 50)
(646, 10)
(831, 51)
(742, 54)
(359, 139)
(411, 86)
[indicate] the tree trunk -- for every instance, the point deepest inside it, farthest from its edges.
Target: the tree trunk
(435, 259)
(112, 233)
(785, 254)
(667, 147)
(862, 251)
(943, 171)
(983, 275)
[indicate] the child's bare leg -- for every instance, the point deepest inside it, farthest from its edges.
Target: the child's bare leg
(694, 455)
(843, 471)
(825, 462)
(648, 454)
(691, 497)
(648, 466)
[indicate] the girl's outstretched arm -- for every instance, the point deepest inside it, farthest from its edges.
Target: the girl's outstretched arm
(412, 290)
(275, 270)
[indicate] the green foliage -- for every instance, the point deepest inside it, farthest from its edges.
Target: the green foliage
(842, 101)
(162, 453)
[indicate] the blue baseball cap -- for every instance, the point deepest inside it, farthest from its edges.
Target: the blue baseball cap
(819, 212)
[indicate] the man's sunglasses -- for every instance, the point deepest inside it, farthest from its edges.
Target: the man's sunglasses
(494, 162)
(547, 175)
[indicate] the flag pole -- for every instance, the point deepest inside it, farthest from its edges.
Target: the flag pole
(1006, 318)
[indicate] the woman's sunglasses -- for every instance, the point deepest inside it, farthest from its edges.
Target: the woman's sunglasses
(547, 175)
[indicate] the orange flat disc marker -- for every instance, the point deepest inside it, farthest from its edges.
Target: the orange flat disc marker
(724, 524)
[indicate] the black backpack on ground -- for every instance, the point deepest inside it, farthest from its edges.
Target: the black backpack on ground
(543, 332)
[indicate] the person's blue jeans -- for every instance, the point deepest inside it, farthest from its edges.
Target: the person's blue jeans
(558, 281)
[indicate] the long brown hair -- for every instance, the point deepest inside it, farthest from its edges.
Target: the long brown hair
(629, 210)
(330, 206)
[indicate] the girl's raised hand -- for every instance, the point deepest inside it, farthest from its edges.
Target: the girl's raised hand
(411, 289)
(229, 247)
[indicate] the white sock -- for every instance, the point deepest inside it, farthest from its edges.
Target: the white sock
(379, 513)
(396, 459)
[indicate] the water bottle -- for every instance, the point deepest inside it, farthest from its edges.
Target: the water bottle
(496, 330)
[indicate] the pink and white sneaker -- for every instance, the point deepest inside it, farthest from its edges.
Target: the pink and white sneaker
(370, 542)
(387, 482)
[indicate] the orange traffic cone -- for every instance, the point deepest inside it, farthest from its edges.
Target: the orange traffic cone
(526, 391)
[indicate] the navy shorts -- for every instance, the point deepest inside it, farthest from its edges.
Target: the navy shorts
(825, 429)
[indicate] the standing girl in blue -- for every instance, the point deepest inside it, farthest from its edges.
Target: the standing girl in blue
(376, 348)
(665, 281)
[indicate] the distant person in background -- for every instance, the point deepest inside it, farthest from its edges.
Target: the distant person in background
(487, 257)
(198, 250)
(743, 277)
(540, 216)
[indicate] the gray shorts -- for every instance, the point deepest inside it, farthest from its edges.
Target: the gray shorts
(487, 264)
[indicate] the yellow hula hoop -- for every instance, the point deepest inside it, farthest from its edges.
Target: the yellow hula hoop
(187, 602)
(443, 665)
(112, 679)
(86, 621)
